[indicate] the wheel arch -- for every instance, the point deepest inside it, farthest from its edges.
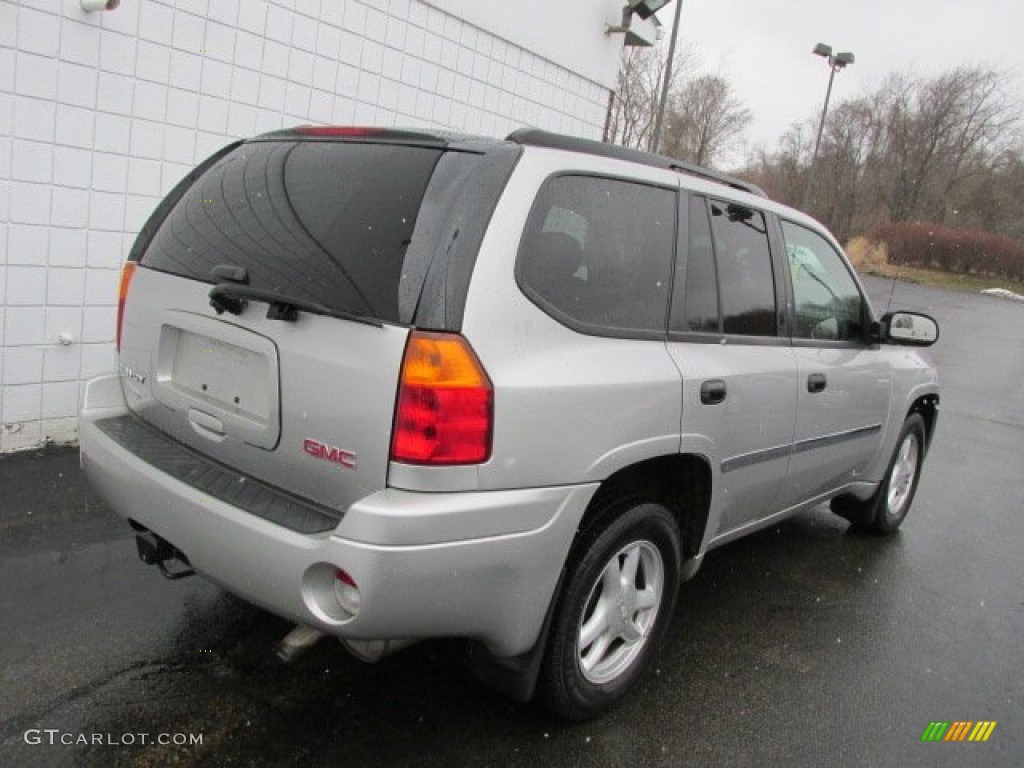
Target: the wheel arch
(928, 408)
(682, 482)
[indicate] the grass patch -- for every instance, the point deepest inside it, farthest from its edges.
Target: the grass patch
(871, 259)
(939, 279)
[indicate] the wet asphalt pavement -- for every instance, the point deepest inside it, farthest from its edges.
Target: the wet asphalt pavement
(803, 645)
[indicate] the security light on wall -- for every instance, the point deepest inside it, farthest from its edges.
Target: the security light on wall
(645, 9)
(98, 5)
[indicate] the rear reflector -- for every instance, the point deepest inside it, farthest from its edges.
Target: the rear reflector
(445, 403)
(346, 592)
(127, 273)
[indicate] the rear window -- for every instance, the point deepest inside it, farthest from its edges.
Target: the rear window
(329, 222)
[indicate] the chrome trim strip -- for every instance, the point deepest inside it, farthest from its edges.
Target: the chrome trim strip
(755, 457)
(820, 442)
(767, 454)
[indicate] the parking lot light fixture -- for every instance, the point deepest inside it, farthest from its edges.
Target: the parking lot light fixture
(836, 62)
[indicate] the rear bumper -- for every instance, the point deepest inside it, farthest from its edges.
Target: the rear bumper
(481, 564)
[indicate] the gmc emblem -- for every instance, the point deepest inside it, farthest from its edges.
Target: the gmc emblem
(319, 450)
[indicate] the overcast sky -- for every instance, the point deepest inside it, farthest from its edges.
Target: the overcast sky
(764, 47)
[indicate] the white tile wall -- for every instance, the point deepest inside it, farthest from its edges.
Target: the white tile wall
(102, 113)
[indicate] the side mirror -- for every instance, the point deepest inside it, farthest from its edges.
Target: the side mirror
(909, 328)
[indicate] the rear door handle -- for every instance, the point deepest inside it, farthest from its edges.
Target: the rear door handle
(816, 382)
(712, 392)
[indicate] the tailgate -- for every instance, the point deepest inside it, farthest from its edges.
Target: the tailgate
(305, 406)
(303, 399)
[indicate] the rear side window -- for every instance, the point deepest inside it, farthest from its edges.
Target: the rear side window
(328, 222)
(597, 254)
(695, 308)
(745, 275)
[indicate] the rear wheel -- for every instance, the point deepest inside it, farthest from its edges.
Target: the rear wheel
(615, 605)
(885, 511)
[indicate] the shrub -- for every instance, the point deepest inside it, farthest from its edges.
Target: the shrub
(864, 253)
(934, 246)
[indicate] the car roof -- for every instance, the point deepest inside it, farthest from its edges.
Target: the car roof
(532, 137)
(537, 138)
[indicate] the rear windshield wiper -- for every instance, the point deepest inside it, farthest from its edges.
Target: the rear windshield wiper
(232, 297)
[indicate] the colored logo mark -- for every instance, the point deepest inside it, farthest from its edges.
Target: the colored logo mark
(958, 730)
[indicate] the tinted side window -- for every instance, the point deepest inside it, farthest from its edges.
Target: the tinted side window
(597, 253)
(827, 303)
(329, 222)
(696, 304)
(744, 270)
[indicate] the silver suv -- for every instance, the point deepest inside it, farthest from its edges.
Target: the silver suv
(396, 385)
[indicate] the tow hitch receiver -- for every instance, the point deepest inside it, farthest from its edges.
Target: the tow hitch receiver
(154, 550)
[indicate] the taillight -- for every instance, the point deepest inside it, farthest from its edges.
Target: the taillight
(127, 273)
(445, 403)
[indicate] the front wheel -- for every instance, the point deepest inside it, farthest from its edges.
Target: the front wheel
(885, 511)
(615, 605)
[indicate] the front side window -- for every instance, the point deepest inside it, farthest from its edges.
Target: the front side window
(597, 254)
(745, 275)
(827, 304)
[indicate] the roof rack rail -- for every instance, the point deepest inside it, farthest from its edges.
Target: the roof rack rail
(535, 137)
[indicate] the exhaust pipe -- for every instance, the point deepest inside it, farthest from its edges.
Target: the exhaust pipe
(371, 651)
(302, 638)
(297, 642)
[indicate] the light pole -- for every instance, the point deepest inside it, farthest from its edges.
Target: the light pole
(660, 116)
(835, 63)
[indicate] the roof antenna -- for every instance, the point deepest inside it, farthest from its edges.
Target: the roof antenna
(892, 291)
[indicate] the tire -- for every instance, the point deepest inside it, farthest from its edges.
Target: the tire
(606, 630)
(887, 509)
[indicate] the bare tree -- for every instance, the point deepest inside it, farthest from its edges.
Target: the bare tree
(944, 149)
(783, 173)
(635, 102)
(704, 120)
(937, 134)
(851, 137)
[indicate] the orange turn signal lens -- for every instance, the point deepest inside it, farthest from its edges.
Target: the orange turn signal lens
(445, 403)
(127, 273)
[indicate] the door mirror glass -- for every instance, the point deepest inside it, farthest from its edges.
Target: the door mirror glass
(910, 328)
